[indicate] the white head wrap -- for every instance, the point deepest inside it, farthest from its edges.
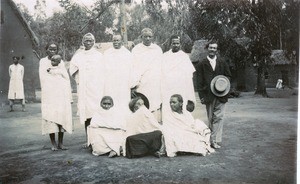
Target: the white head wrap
(88, 36)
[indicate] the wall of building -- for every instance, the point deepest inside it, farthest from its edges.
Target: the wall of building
(15, 41)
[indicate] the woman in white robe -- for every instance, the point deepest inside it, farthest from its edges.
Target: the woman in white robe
(143, 132)
(56, 98)
(182, 132)
(106, 133)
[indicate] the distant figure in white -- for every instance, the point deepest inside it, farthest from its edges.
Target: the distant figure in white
(87, 67)
(56, 97)
(147, 71)
(16, 86)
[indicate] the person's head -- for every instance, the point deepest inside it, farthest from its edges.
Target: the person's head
(117, 41)
(175, 43)
(107, 102)
(147, 36)
(136, 103)
(88, 41)
(55, 60)
(16, 59)
(51, 49)
(212, 48)
(176, 103)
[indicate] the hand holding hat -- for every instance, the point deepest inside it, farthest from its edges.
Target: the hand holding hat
(220, 85)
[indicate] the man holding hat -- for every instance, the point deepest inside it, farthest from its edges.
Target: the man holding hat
(213, 78)
(16, 87)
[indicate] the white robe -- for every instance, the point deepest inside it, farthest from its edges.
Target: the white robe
(16, 87)
(106, 132)
(87, 67)
(118, 67)
(147, 72)
(56, 97)
(183, 133)
(141, 121)
(177, 78)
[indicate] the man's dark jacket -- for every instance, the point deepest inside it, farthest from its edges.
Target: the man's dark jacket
(205, 74)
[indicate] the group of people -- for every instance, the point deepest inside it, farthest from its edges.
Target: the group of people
(135, 103)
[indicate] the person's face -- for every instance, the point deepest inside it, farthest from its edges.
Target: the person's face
(147, 38)
(106, 104)
(138, 104)
(55, 62)
(212, 49)
(117, 42)
(15, 61)
(52, 50)
(88, 43)
(175, 44)
(175, 105)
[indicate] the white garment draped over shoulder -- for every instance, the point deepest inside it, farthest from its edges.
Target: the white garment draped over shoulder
(185, 134)
(107, 131)
(118, 67)
(141, 121)
(87, 67)
(177, 77)
(147, 71)
(56, 96)
(16, 87)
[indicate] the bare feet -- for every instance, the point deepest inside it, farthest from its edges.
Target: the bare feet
(85, 146)
(54, 148)
(11, 110)
(215, 145)
(112, 154)
(62, 147)
(24, 110)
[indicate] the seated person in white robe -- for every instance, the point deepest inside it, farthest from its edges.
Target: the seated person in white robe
(182, 132)
(143, 132)
(106, 131)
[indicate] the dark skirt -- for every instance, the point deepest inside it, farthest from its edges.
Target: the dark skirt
(143, 144)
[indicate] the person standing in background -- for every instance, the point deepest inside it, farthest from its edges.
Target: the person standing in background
(16, 86)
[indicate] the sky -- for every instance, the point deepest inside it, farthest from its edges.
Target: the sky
(53, 5)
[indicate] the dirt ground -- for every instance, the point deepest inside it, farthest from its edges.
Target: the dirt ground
(259, 146)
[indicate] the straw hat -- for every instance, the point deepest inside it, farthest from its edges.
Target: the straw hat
(220, 85)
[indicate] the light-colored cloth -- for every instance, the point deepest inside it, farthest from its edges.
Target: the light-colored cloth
(177, 78)
(16, 87)
(106, 132)
(118, 66)
(147, 71)
(185, 134)
(87, 67)
(56, 97)
(141, 121)
(215, 115)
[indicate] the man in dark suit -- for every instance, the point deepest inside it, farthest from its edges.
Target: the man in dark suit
(206, 71)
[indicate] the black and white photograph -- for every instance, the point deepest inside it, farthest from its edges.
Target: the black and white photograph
(149, 91)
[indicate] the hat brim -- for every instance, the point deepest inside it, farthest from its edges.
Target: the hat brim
(212, 86)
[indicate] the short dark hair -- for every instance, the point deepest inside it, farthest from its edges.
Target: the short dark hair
(16, 57)
(133, 102)
(50, 43)
(212, 41)
(178, 96)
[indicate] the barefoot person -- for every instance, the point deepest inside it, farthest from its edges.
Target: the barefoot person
(16, 87)
(56, 97)
(106, 131)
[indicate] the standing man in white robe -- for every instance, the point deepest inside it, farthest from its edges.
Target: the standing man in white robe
(177, 76)
(147, 71)
(16, 86)
(118, 66)
(87, 67)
